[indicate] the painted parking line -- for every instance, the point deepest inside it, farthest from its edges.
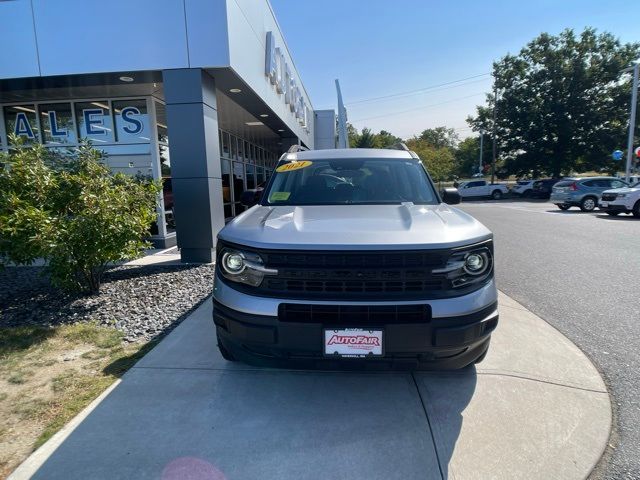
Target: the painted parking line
(570, 214)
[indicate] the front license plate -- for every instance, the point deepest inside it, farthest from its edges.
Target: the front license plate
(604, 204)
(353, 342)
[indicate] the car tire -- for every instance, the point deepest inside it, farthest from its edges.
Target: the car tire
(636, 209)
(562, 206)
(496, 194)
(588, 204)
(226, 354)
(613, 214)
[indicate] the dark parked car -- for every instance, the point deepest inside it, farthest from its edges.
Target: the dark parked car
(543, 188)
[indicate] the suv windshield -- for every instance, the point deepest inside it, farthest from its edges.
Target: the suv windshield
(350, 181)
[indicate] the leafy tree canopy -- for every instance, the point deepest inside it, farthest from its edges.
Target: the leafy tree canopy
(439, 162)
(440, 137)
(368, 139)
(562, 103)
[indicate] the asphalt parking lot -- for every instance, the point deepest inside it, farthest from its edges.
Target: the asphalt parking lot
(579, 271)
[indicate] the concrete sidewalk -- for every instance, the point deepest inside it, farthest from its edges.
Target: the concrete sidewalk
(535, 408)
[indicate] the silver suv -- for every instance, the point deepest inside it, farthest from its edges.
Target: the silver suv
(582, 192)
(351, 259)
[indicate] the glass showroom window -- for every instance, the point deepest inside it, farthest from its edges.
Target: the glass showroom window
(226, 189)
(57, 124)
(242, 165)
(132, 121)
(21, 120)
(164, 158)
(238, 185)
(94, 121)
(224, 144)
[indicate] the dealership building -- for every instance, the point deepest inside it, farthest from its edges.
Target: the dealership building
(203, 94)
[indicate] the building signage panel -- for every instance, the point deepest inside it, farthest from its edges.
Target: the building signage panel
(94, 121)
(279, 74)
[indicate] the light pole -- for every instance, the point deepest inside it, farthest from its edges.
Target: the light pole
(480, 160)
(495, 108)
(632, 118)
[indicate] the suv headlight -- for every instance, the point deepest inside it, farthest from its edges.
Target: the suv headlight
(468, 266)
(621, 195)
(242, 266)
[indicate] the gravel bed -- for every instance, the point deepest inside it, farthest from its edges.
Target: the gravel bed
(141, 301)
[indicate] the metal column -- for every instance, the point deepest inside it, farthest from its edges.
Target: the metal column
(192, 120)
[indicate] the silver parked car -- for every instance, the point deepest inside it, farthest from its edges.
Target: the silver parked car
(582, 192)
(371, 269)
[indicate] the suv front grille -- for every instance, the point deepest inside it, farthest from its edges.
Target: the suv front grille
(349, 274)
(376, 275)
(607, 197)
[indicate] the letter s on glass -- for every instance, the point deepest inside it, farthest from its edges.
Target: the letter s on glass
(135, 126)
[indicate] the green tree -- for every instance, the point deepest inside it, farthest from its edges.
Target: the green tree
(440, 137)
(352, 135)
(562, 104)
(73, 212)
(439, 162)
(385, 139)
(467, 155)
(366, 139)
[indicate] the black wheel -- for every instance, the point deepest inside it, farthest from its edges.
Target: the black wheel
(226, 354)
(496, 194)
(613, 214)
(636, 209)
(588, 204)
(562, 206)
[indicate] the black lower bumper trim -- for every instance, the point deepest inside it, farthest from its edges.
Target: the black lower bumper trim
(451, 342)
(615, 208)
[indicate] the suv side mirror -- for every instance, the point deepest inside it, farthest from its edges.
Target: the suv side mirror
(450, 196)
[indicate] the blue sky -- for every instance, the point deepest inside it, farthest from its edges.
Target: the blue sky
(381, 47)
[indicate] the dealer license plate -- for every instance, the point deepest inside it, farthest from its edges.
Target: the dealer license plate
(353, 342)
(604, 204)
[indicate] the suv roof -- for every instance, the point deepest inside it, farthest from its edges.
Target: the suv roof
(345, 153)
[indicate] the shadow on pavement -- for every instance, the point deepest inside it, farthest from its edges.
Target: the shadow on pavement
(576, 211)
(446, 396)
(621, 217)
(178, 423)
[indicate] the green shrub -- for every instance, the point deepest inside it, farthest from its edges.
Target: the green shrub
(71, 210)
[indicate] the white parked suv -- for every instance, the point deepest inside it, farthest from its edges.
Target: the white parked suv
(523, 188)
(481, 188)
(621, 200)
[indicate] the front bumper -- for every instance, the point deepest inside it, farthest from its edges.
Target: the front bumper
(456, 334)
(613, 207)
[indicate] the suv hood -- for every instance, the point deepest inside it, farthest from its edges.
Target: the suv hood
(622, 190)
(362, 226)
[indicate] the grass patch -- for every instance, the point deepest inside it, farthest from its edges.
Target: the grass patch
(91, 334)
(19, 339)
(19, 376)
(73, 392)
(48, 375)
